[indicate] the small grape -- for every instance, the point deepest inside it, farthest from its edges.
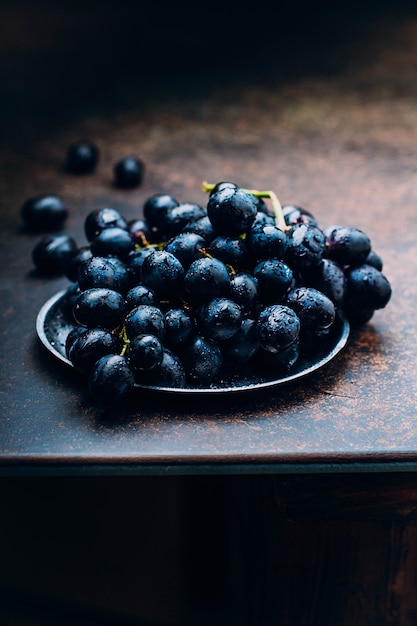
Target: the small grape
(111, 380)
(52, 254)
(44, 213)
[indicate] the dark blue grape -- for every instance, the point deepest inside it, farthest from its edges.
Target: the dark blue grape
(274, 279)
(111, 380)
(231, 211)
(315, 310)
(134, 263)
(102, 271)
(129, 172)
(90, 346)
(266, 241)
(186, 247)
(100, 219)
(156, 208)
(99, 308)
(330, 279)
(163, 273)
(280, 361)
(169, 373)
(145, 319)
(263, 219)
(296, 215)
(179, 326)
(44, 213)
(202, 359)
(75, 332)
(205, 279)
(145, 352)
(82, 158)
(375, 260)
(140, 294)
(244, 291)
(347, 245)
(306, 246)
(113, 241)
(367, 288)
(52, 254)
(244, 344)
(278, 327)
(202, 227)
(177, 217)
(219, 318)
(232, 251)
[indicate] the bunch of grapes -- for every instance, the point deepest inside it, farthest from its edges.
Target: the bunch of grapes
(170, 299)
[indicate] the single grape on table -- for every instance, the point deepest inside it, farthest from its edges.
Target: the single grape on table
(173, 297)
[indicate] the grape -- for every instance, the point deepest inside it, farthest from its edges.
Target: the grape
(315, 310)
(219, 318)
(202, 227)
(100, 219)
(99, 307)
(243, 344)
(347, 245)
(231, 210)
(178, 327)
(202, 359)
(113, 241)
(177, 217)
(141, 295)
(111, 379)
(169, 373)
(278, 327)
(129, 172)
(297, 215)
(186, 247)
(145, 319)
(82, 158)
(274, 278)
(90, 346)
(163, 273)
(330, 279)
(231, 251)
(156, 208)
(306, 246)
(244, 291)
(266, 241)
(145, 352)
(44, 212)
(205, 279)
(102, 271)
(52, 254)
(367, 287)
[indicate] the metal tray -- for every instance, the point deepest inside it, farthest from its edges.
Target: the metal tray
(54, 322)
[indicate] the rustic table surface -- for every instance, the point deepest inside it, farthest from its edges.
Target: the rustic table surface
(295, 505)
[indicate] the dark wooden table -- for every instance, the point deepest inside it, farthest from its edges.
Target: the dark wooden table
(292, 506)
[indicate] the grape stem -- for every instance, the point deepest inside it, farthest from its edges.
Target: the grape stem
(276, 204)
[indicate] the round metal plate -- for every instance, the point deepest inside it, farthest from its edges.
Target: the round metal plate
(54, 322)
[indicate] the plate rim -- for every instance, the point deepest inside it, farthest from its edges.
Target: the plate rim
(335, 350)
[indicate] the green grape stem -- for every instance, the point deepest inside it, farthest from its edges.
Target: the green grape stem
(276, 204)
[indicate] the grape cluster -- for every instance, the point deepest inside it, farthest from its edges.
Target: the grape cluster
(171, 298)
